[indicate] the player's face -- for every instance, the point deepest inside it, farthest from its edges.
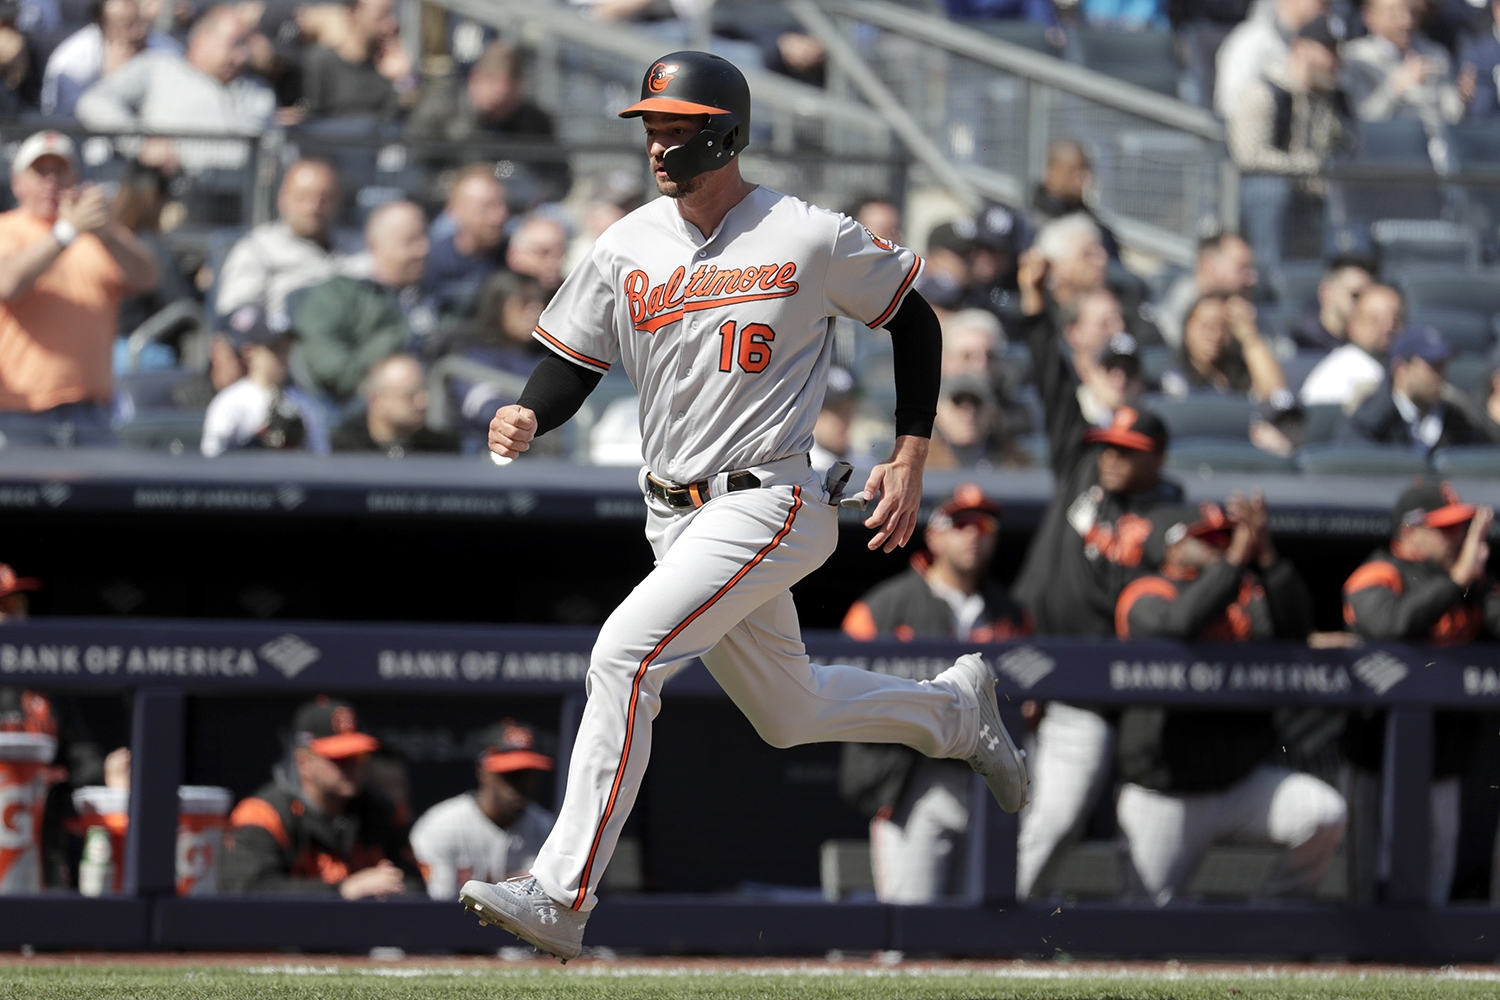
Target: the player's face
(1125, 470)
(663, 131)
(969, 545)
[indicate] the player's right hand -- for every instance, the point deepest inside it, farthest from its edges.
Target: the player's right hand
(512, 430)
(84, 208)
(381, 879)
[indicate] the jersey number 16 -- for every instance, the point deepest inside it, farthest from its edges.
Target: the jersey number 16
(754, 347)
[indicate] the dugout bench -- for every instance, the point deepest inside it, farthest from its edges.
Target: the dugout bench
(162, 664)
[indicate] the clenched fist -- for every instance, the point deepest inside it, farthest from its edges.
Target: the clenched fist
(512, 430)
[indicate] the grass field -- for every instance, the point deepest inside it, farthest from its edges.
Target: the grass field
(99, 979)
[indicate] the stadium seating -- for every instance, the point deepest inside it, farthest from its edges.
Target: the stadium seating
(1465, 331)
(1325, 422)
(1208, 456)
(1447, 288)
(1469, 460)
(1204, 415)
(1345, 458)
(1145, 58)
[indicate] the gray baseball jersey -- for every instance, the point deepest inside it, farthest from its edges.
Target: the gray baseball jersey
(455, 841)
(726, 337)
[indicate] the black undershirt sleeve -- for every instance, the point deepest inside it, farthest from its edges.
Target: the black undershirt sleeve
(556, 390)
(917, 354)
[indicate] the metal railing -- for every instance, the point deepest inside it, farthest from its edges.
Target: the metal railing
(990, 108)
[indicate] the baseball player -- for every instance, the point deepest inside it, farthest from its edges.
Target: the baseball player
(717, 299)
(494, 831)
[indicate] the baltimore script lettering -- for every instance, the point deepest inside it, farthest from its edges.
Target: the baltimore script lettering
(653, 307)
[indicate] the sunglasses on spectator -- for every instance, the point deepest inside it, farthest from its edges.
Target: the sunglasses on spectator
(975, 519)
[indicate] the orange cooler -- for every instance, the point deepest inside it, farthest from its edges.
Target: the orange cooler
(201, 812)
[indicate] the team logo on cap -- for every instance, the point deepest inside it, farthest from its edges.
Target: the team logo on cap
(343, 719)
(516, 738)
(1125, 418)
(661, 74)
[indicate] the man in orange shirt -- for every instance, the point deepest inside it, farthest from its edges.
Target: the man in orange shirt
(64, 268)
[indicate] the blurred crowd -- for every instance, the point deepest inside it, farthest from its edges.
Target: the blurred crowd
(304, 333)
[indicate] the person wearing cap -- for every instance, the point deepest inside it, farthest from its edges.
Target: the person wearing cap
(1396, 72)
(1281, 132)
(1090, 544)
(261, 410)
(1223, 352)
(1064, 190)
(65, 267)
(493, 832)
(298, 249)
(1429, 585)
(1192, 778)
(317, 829)
(1350, 373)
(919, 807)
(1416, 407)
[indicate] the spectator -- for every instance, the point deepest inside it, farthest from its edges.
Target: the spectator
(316, 829)
(117, 34)
(1479, 60)
(491, 104)
(1416, 406)
(300, 248)
(363, 72)
(261, 410)
(493, 832)
(1078, 265)
(1225, 267)
(881, 216)
(1035, 11)
(1394, 72)
(536, 249)
(1282, 130)
(20, 76)
(1091, 542)
(1191, 777)
(1352, 372)
(831, 441)
(139, 200)
(616, 194)
(1109, 380)
(945, 281)
(919, 807)
(473, 248)
(65, 267)
(1064, 190)
(1431, 586)
(1089, 326)
(1325, 325)
(204, 94)
(968, 431)
(972, 340)
(1223, 352)
(1279, 424)
(998, 234)
(347, 324)
(499, 338)
(395, 416)
(1260, 42)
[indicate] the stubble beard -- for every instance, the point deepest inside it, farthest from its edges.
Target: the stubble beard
(678, 190)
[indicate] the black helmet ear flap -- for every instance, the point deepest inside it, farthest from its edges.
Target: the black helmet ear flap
(708, 150)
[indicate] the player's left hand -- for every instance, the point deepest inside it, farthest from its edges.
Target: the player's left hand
(899, 484)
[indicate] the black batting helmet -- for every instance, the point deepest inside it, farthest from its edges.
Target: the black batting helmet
(698, 83)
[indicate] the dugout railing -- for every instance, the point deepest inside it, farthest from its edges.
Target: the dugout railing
(162, 665)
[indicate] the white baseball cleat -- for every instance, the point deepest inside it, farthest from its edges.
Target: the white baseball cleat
(995, 757)
(520, 906)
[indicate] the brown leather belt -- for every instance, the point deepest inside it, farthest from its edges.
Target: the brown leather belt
(696, 494)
